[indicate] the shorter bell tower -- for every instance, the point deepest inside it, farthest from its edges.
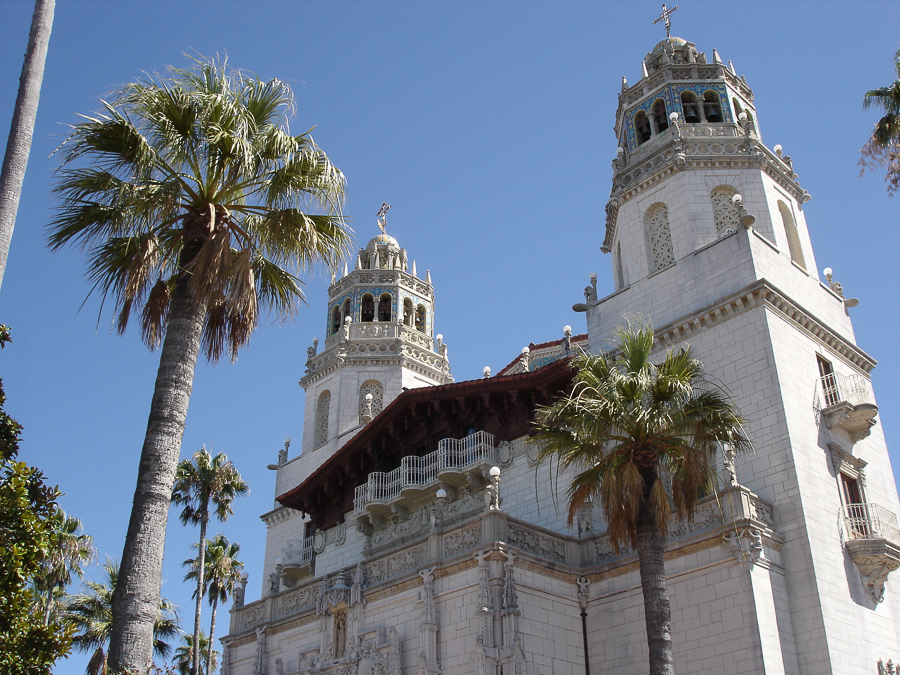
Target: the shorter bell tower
(379, 341)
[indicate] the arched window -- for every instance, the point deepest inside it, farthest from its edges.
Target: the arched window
(367, 315)
(725, 211)
(690, 107)
(347, 307)
(407, 312)
(793, 236)
(712, 107)
(659, 237)
(335, 320)
(420, 318)
(384, 307)
(642, 127)
(660, 119)
(322, 406)
(371, 387)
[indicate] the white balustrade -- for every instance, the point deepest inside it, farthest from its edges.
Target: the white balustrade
(869, 521)
(452, 454)
(854, 389)
(298, 551)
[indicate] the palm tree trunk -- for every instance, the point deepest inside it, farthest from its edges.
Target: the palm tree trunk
(201, 569)
(651, 549)
(136, 597)
(18, 147)
(212, 633)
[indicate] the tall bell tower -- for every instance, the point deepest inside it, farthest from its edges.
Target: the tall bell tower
(379, 340)
(709, 241)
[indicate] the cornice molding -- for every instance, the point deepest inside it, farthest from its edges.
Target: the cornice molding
(763, 293)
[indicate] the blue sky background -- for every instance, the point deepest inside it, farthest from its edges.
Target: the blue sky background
(488, 127)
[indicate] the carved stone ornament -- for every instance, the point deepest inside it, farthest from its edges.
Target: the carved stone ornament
(876, 559)
(319, 541)
(746, 545)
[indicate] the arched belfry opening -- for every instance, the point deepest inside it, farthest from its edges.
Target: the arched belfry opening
(712, 107)
(367, 308)
(384, 307)
(335, 320)
(408, 312)
(660, 117)
(642, 130)
(690, 107)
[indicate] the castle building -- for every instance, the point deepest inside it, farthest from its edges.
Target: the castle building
(416, 532)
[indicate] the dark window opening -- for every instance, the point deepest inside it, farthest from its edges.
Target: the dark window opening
(642, 127)
(659, 116)
(367, 314)
(384, 307)
(336, 320)
(829, 381)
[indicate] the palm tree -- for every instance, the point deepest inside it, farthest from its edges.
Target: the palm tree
(199, 483)
(883, 148)
(194, 206)
(91, 613)
(67, 553)
(625, 425)
(222, 575)
(18, 147)
(183, 655)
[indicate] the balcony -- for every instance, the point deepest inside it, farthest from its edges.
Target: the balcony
(298, 560)
(871, 536)
(849, 404)
(454, 463)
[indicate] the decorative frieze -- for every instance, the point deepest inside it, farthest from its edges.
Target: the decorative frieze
(539, 543)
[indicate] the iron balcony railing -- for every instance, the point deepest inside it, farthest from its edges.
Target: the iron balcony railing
(452, 453)
(854, 389)
(298, 551)
(869, 521)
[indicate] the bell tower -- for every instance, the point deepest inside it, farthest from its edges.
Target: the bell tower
(379, 340)
(689, 137)
(709, 241)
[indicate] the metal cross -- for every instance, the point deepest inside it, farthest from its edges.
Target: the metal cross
(666, 13)
(382, 216)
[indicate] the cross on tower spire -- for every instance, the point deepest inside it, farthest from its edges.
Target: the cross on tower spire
(666, 13)
(382, 216)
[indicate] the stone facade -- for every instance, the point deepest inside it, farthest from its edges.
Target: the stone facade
(457, 558)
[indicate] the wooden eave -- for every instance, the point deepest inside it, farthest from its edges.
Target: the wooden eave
(415, 421)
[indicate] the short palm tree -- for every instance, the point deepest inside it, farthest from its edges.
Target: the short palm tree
(222, 573)
(201, 482)
(183, 655)
(625, 425)
(69, 551)
(883, 147)
(194, 203)
(92, 615)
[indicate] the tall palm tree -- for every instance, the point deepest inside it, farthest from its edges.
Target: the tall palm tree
(883, 147)
(183, 655)
(222, 573)
(92, 615)
(202, 482)
(194, 204)
(625, 425)
(66, 556)
(21, 131)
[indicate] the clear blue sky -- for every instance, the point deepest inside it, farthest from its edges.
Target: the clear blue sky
(488, 127)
